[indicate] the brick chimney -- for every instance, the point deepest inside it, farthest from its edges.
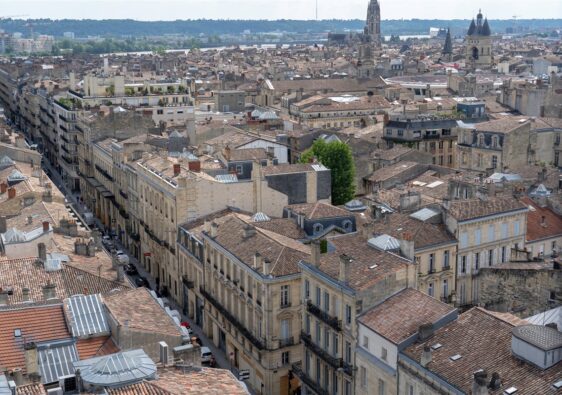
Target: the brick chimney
(3, 187)
(46, 226)
(407, 245)
(194, 166)
(42, 251)
(11, 193)
(177, 169)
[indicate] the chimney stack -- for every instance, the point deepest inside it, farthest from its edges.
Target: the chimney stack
(42, 252)
(49, 291)
(3, 187)
(495, 382)
(315, 252)
(46, 226)
(266, 267)
(25, 294)
(345, 263)
(18, 376)
(480, 383)
(29, 219)
(426, 356)
(31, 358)
(214, 229)
(3, 297)
(407, 245)
(425, 331)
(249, 231)
(257, 260)
(120, 272)
(177, 169)
(11, 193)
(194, 166)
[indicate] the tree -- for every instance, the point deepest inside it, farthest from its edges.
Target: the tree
(337, 157)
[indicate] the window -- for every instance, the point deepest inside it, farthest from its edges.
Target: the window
(366, 342)
(384, 354)
(481, 140)
(400, 132)
(347, 387)
(477, 237)
(347, 314)
(363, 376)
(382, 389)
(317, 228)
(347, 225)
(285, 360)
(494, 161)
(307, 362)
(450, 161)
(464, 240)
(476, 261)
(334, 383)
(318, 297)
(490, 257)
(326, 338)
(306, 289)
(463, 264)
(504, 254)
(335, 343)
(410, 389)
(307, 324)
(445, 289)
(446, 259)
(516, 228)
(347, 352)
(285, 300)
(504, 230)
(431, 263)
(430, 289)
(491, 233)
(494, 143)
(326, 302)
(317, 332)
(285, 329)
(239, 170)
(326, 376)
(318, 371)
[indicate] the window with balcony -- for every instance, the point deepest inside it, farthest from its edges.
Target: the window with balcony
(335, 345)
(306, 289)
(326, 301)
(347, 352)
(445, 289)
(446, 259)
(326, 339)
(318, 296)
(318, 371)
(347, 314)
(307, 324)
(490, 257)
(463, 264)
(285, 296)
(285, 358)
(431, 263)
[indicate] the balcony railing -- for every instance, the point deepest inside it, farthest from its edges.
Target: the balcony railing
(233, 320)
(310, 383)
(335, 362)
(289, 341)
(322, 315)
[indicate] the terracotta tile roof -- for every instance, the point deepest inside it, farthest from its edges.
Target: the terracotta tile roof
(96, 347)
(424, 234)
(391, 154)
(537, 229)
(392, 171)
(142, 388)
(37, 324)
(207, 381)
(140, 309)
(247, 154)
(283, 253)
(318, 210)
(484, 342)
(283, 226)
(286, 168)
(31, 389)
(503, 125)
(401, 315)
(361, 276)
(26, 272)
(463, 210)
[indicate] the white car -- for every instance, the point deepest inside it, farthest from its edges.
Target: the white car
(206, 355)
(122, 257)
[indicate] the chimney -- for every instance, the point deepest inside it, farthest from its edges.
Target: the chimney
(495, 382)
(266, 266)
(18, 376)
(177, 169)
(426, 356)
(42, 252)
(31, 365)
(226, 153)
(386, 119)
(407, 245)
(194, 166)
(29, 219)
(315, 252)
(425, 331)
(249, 231)
(12, 386)
(11, 193)
(3, 225)
(480, 383)
(46, 226)
(120, 272)
(214, 229)
(25, 294)
(3, 297)
(345, 263)
(49, 291)
(3, 187)
(257, 260)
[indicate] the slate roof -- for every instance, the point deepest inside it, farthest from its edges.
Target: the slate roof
(463, 210)
(484, 342)
(37, 324)
(400, 316)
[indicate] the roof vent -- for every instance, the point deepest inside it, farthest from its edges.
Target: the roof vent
(436, 346)
(510, 390)
(558, 384)
(455, 357)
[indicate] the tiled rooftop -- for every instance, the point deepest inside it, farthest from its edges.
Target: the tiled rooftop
(537, 229)
(96, 347)
(318, 210)
(463, 210)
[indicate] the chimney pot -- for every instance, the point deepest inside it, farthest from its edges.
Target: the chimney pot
(315, 252)
(266, 266)
(426, 356)
(345, 263)
(177, 169)
(11, 193)
(3, 187)
(214, 229)
(46, 226)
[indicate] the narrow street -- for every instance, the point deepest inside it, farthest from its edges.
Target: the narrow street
(73, 199)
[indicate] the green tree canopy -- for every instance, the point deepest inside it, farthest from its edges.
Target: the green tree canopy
(338, 158)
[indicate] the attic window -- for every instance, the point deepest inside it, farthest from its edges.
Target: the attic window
(510, 390)
(558, 384)
(436, 346)
(455, 357)
(17, 332)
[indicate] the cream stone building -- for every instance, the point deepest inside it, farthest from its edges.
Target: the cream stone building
(479, 43)
(336, 287)
(486, 229)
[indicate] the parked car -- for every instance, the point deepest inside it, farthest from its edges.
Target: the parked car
(123, 258)
(141, 282)
(206, 355)
(131, 269)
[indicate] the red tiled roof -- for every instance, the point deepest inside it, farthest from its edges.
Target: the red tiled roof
(536, 230)
(31, 389)
(95, 347)
(37, 324)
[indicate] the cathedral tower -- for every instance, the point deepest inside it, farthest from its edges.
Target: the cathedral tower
(479, 43)
(373, 27)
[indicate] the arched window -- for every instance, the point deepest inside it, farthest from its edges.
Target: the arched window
(317, 228)
(495, 142)
(347, 225)
(480, 140)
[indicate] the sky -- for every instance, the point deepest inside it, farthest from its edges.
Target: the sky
(276, 9)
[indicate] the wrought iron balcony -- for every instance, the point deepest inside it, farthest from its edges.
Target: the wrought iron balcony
(289, 341)
(233, 320)
(323, 316)
(296, 368)
(334, 362)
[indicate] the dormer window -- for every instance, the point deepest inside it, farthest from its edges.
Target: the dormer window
(481, 140)
(347, 226)
(317, 228)
(495, 142)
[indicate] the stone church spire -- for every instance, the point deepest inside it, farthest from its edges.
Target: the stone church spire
(373, 26)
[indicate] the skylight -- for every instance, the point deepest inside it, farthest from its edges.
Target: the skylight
(436, 346)
(455, 357)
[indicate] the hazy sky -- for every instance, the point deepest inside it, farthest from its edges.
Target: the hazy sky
(276, 9)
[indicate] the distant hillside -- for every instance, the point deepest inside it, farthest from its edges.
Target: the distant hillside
(132, 28)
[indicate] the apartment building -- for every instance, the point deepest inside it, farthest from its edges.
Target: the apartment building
(431, 135)
(250, 280)
(486, 229)
(338, 285)
(387, 329)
